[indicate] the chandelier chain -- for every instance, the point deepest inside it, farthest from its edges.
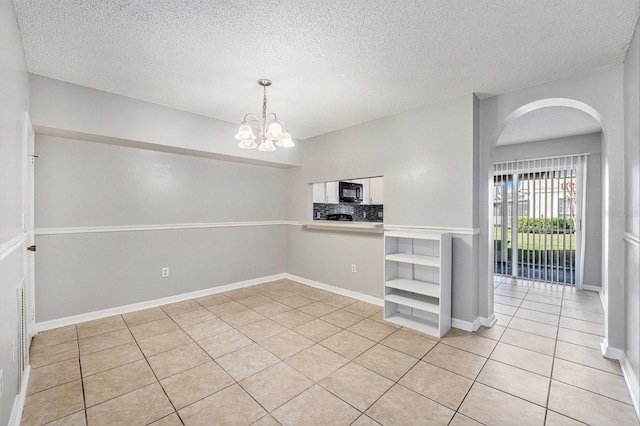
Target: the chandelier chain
(264, 104)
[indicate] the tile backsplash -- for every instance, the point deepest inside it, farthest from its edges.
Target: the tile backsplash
(360, 212)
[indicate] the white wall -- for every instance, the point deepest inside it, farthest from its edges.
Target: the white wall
(83, 184)
(65, 109)
(427, 159)
(632, 210)
(582, 144)
(14, 95)
(599, 92)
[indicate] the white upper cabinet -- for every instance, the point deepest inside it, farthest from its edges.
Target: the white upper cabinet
(375, 191)
(319, 193)
(332, 193)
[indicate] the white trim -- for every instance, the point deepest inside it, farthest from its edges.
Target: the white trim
(595, 288)
(610, 351)
(368, 227)
(337, 290)
(89, 316)
(162, 227)
(488, 322)
(632, 383)
(466, 325)
(435, 229)
(18, 403)
(632, 239)
(7, 248)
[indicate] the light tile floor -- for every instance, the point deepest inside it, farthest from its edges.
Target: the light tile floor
(285, 353)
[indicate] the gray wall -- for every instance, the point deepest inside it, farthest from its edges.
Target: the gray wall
(567, 146)
(86, 184)
(427, 159)
(632, 207)
(14, 95)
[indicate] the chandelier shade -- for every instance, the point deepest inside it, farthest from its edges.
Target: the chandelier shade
(271, 129)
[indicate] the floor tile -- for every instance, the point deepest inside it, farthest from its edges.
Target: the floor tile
(555, 419)
(293, 318)
(342, 319)
(262, 329)
(583, 326)
(272, 309)
(232, 405)
(544, 299)
(253, 301)
(339, 301)
(541, 307)
(53, 354)
(225, 343)
(402, 406)
(386, 361)
(193, 317)
(226, 309)
(316, 407)
(525, 359)
(358, 386)
(107, 359)
(373, 330)
(583, 315)
(365, 420)
(285, 344)
(141, 406)
(502, 319)
(203, 330)
(276, 385)
(504, 309)
(595, 307)
(54, 337)
(470, 342)
(267, 420)
(491, 406)
(533, 327)
(316, 362)
(164, 342)
(278, 294)
(240, 293)
(105, 341)
(363, 309)
(212, 300)
(440, 385)
(240, 318)
(178, 360)
(76, 419)
(117, 381)
(579, 338)
(196, 383)
(247, 361)
(317, 330)
(153, 328)
(53, 375)
(591, 379)
(347, 344)
(537, 316)
(317, 309)
(170, 420)
(146, 315)
(414, 344)
(297, 301)
(587, 356)
(462, 420)
(101, 326)
(173, 309)
(456, 360)
(515, 381)
(529, 341)
(493, 333)
(510, 292)
(505, 300)
(589, 407)
(52, 404)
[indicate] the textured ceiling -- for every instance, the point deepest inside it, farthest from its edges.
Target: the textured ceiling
(334, 63)
(548, 123)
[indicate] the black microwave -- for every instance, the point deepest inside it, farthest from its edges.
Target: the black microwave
(349, 192)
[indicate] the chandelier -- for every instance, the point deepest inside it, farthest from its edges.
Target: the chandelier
(271, 129)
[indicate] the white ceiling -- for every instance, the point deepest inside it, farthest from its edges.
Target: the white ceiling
(334, 63)
(548, 123)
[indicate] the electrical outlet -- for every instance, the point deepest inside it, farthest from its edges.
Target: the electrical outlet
(165, 272)
(365, 214)
(379, 214)
(353, 267)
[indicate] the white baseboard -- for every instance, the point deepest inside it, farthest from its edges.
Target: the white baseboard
(338, 290)
(488, 322)
(632, 383)
(591, 288)
(18, 403)
(89, 316)
(610, 351)
(466, 325)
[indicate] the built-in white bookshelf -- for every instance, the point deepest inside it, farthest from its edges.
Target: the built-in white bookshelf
(417, 287)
